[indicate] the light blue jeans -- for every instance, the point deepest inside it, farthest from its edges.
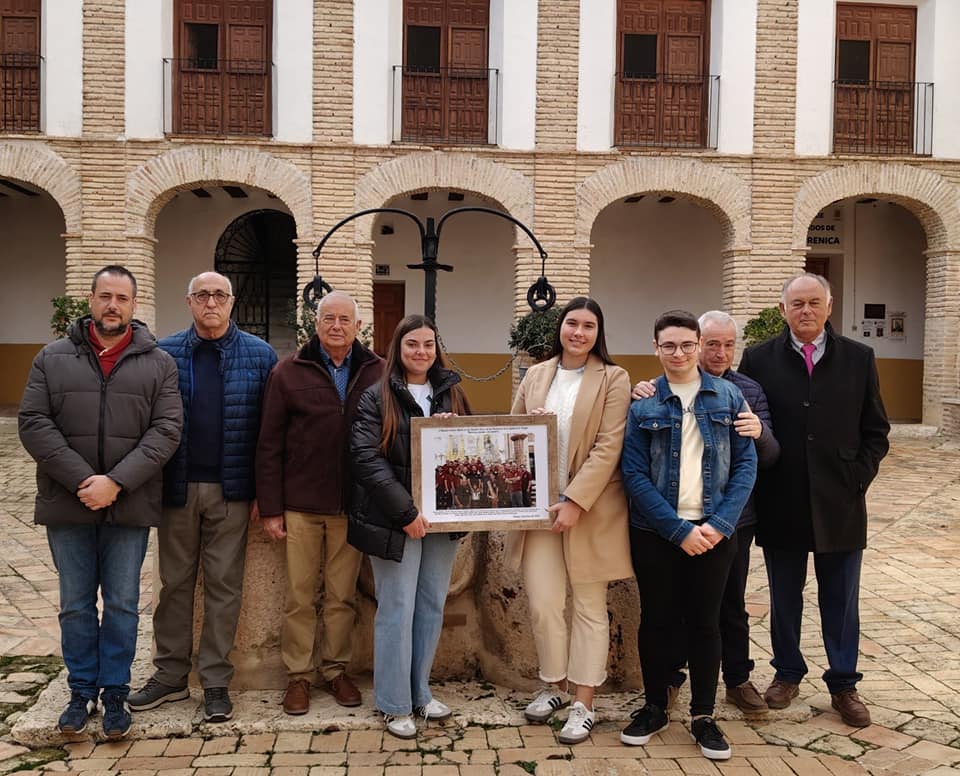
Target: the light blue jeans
(105, 557)
(410, 599)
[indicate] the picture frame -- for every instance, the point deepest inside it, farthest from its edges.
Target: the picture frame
(485, 472)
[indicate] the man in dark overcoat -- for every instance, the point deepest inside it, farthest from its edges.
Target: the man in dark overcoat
(824, 399)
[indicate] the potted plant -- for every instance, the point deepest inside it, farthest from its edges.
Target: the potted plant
(767, 324)
(534, 333)
(66, 309)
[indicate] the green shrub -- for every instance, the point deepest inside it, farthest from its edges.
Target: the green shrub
(767, 324)
(66, 309)
(534, 333)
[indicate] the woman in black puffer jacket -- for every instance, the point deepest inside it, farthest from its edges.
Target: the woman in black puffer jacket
(411, 568)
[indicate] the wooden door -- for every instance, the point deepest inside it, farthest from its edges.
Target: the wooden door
(876, 50)
(445, 90)
(661, 64)
(388, 311)
(20, 65)
(221, 77)
(818, 265)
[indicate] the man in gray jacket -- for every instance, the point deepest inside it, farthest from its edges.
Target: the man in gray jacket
(100, 415)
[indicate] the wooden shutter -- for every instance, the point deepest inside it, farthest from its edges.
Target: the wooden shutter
(448, 102)
(228, 93)
(877, 115)
(20, 65)
(669, 107)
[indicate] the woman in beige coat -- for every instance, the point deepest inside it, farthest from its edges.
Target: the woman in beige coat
(588, 545)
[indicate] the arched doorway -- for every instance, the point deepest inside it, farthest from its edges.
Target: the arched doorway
(33, 255)
(256, 251)
(872, 251)
(652, 252)
(474, 302)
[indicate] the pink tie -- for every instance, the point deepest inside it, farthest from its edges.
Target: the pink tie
(808, 356)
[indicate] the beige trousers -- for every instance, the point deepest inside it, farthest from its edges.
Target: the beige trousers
(315, 542)
(578, 654)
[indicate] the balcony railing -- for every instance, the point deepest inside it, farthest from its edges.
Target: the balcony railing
(20, 78)
(217, 97)
(667, 110)
(883, 117)
(445, 105)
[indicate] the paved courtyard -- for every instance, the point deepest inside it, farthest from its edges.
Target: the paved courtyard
(910, 608)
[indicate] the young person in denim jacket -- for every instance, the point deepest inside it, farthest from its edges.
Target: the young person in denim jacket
(688, 474)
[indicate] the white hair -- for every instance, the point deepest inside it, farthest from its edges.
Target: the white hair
(719, 317)
(343, 296)
(819, 278)
(194, 279)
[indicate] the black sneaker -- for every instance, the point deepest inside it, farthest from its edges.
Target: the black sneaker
(647, 722)
(710, 738)
(116, 715)
(152, 694)
(217, 706)
(75, 716)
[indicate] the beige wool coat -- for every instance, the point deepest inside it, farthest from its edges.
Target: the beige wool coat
(597, 548)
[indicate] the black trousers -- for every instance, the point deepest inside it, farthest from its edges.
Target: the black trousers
(680, 593)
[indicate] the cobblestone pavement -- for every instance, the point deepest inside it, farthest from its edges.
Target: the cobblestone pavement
(910, 608)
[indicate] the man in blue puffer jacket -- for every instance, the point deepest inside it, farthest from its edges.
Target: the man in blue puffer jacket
(208, 498)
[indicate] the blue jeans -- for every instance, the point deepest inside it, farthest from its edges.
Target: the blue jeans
(410, 599)
(98, 654)
(838, 593)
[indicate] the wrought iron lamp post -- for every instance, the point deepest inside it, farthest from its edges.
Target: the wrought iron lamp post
(541, 295)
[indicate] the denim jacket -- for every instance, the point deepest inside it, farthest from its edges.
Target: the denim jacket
(651, 459)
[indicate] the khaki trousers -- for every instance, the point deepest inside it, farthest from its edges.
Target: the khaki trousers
(579, 653)
(207, 533)
(306, 536)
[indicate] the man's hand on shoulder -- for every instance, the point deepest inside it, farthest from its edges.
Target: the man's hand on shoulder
(643, 390)
(98, 491)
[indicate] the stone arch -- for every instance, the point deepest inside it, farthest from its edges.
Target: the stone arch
(710, 186)
(930, 197)
(155, 183)
(42, 167)
(442, 170)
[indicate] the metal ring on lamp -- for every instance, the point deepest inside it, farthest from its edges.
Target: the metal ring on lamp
(541, 295)
(314, 291)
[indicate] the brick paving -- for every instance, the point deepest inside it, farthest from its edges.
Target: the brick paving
(910, 609)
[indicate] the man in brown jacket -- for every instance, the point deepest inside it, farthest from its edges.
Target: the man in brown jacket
(304, 485)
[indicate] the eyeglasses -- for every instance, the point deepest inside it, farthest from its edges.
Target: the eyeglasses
(669, 348)
(202, 297)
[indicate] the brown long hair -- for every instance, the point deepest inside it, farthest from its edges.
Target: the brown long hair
(394, 368)
(600, 346)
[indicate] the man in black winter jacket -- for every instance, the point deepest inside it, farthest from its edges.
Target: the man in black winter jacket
(100, 415)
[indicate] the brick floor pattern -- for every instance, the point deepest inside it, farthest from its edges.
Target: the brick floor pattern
(910, 611)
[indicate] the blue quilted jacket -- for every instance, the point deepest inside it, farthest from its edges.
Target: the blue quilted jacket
(245, 363)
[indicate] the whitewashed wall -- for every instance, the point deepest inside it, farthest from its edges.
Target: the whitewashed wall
(598, 65)
(293, 71)
(648, 258)
(32, 253)
(146, 45)
(475, 301)
(61, 46)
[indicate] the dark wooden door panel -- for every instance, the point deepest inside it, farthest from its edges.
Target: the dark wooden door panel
(388, 311)
(20, 65)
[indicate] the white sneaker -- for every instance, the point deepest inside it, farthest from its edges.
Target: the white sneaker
(579, 724)
(434, 710)
(541, 708)
(400, 726)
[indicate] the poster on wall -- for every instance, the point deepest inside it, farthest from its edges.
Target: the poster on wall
(896, 326)
(874, 321)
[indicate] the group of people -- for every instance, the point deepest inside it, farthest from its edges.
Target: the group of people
(469, 483)
(664, 489)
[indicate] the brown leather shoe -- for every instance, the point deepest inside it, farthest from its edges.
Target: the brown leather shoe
(296, 700)
(344, 691)
(851, 709)
(747, 698)
(780, 693)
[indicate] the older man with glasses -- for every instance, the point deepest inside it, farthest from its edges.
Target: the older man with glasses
(208, 498)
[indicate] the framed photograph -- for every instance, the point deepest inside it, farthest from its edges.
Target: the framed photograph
(485, 472)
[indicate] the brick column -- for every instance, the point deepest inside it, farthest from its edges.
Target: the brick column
(77, 282)
(737, 283)
(942, 322)
(103, 68)
(558, 41)
(141, 261)
(774, 115)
